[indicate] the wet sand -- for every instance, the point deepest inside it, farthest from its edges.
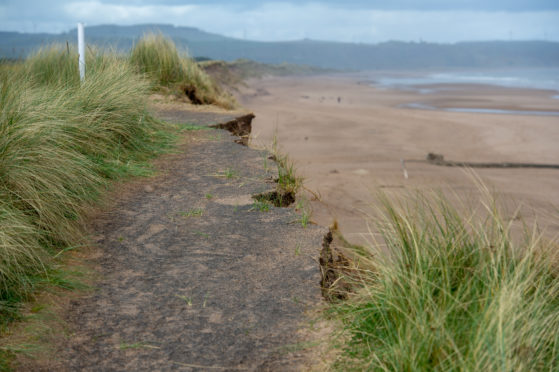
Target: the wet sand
(349, 149)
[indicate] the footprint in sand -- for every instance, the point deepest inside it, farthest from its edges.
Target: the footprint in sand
(361, 172)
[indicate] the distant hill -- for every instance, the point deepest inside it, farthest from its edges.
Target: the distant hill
(351, 56)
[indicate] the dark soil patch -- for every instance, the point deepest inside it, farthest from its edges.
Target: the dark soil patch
(277, 198)
(190, 92)
(240, 127)
(335, 267)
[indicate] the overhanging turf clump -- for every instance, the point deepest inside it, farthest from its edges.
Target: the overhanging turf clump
(158, 58)
(445, 293)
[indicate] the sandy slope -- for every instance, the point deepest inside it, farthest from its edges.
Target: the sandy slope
(349, 150)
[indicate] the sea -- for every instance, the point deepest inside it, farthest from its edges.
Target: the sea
(534, 78)
(425, 83)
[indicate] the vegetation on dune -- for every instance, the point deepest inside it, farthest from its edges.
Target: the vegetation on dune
(235, 73)
(158, 58)
(442, 292)
(60, 142)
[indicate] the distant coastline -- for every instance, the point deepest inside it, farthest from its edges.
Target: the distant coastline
(544, 81)
(422, 106)
(531, 78)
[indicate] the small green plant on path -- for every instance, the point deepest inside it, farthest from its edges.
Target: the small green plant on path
(202, 234)
(228, 173)
(297, 249)
(260, 205)
(186, 299)
(195, 212)
(302, 207)
(304, 218)
(266, 165)
(209, 196)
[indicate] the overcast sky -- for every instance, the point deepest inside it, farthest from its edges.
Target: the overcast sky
(350, 20)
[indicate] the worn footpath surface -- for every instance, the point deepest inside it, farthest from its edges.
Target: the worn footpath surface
(194, 274)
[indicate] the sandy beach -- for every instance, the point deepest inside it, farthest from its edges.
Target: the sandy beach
(347, 139)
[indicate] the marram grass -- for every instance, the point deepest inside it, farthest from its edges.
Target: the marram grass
(446, 292)
(60, 143)
(157, 57)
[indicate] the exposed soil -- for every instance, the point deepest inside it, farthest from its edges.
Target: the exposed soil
(277, 198)
(240, 126)
(195, 277)
(335, 266)
(190, 92)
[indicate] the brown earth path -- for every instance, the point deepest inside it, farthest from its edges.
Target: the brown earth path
(194, 276)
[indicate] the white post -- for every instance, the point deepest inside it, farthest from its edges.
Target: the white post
(81, 51)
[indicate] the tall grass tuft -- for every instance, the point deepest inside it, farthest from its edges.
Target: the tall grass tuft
(448, 292)
(158, 58)
(288, 180)
(53, 65)
(60, 142)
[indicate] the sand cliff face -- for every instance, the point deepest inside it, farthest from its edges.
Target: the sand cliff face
(348, 139)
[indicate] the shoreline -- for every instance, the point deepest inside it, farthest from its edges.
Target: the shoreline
(422, 106)
(544, 79)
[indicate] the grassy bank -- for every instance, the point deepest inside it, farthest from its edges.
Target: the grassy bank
(60, 144)
(446, 292)
(157, 57)
(63, 141)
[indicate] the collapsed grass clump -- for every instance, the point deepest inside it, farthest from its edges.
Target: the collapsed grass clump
(288, 182)
(158, 58)
(60, 143)
(446, 293)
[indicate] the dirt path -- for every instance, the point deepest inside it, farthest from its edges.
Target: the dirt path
(195, 275)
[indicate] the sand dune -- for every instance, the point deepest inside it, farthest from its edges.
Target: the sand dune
(347, 139)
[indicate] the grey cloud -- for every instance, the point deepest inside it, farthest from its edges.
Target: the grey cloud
(288, 20)
(479, 5)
